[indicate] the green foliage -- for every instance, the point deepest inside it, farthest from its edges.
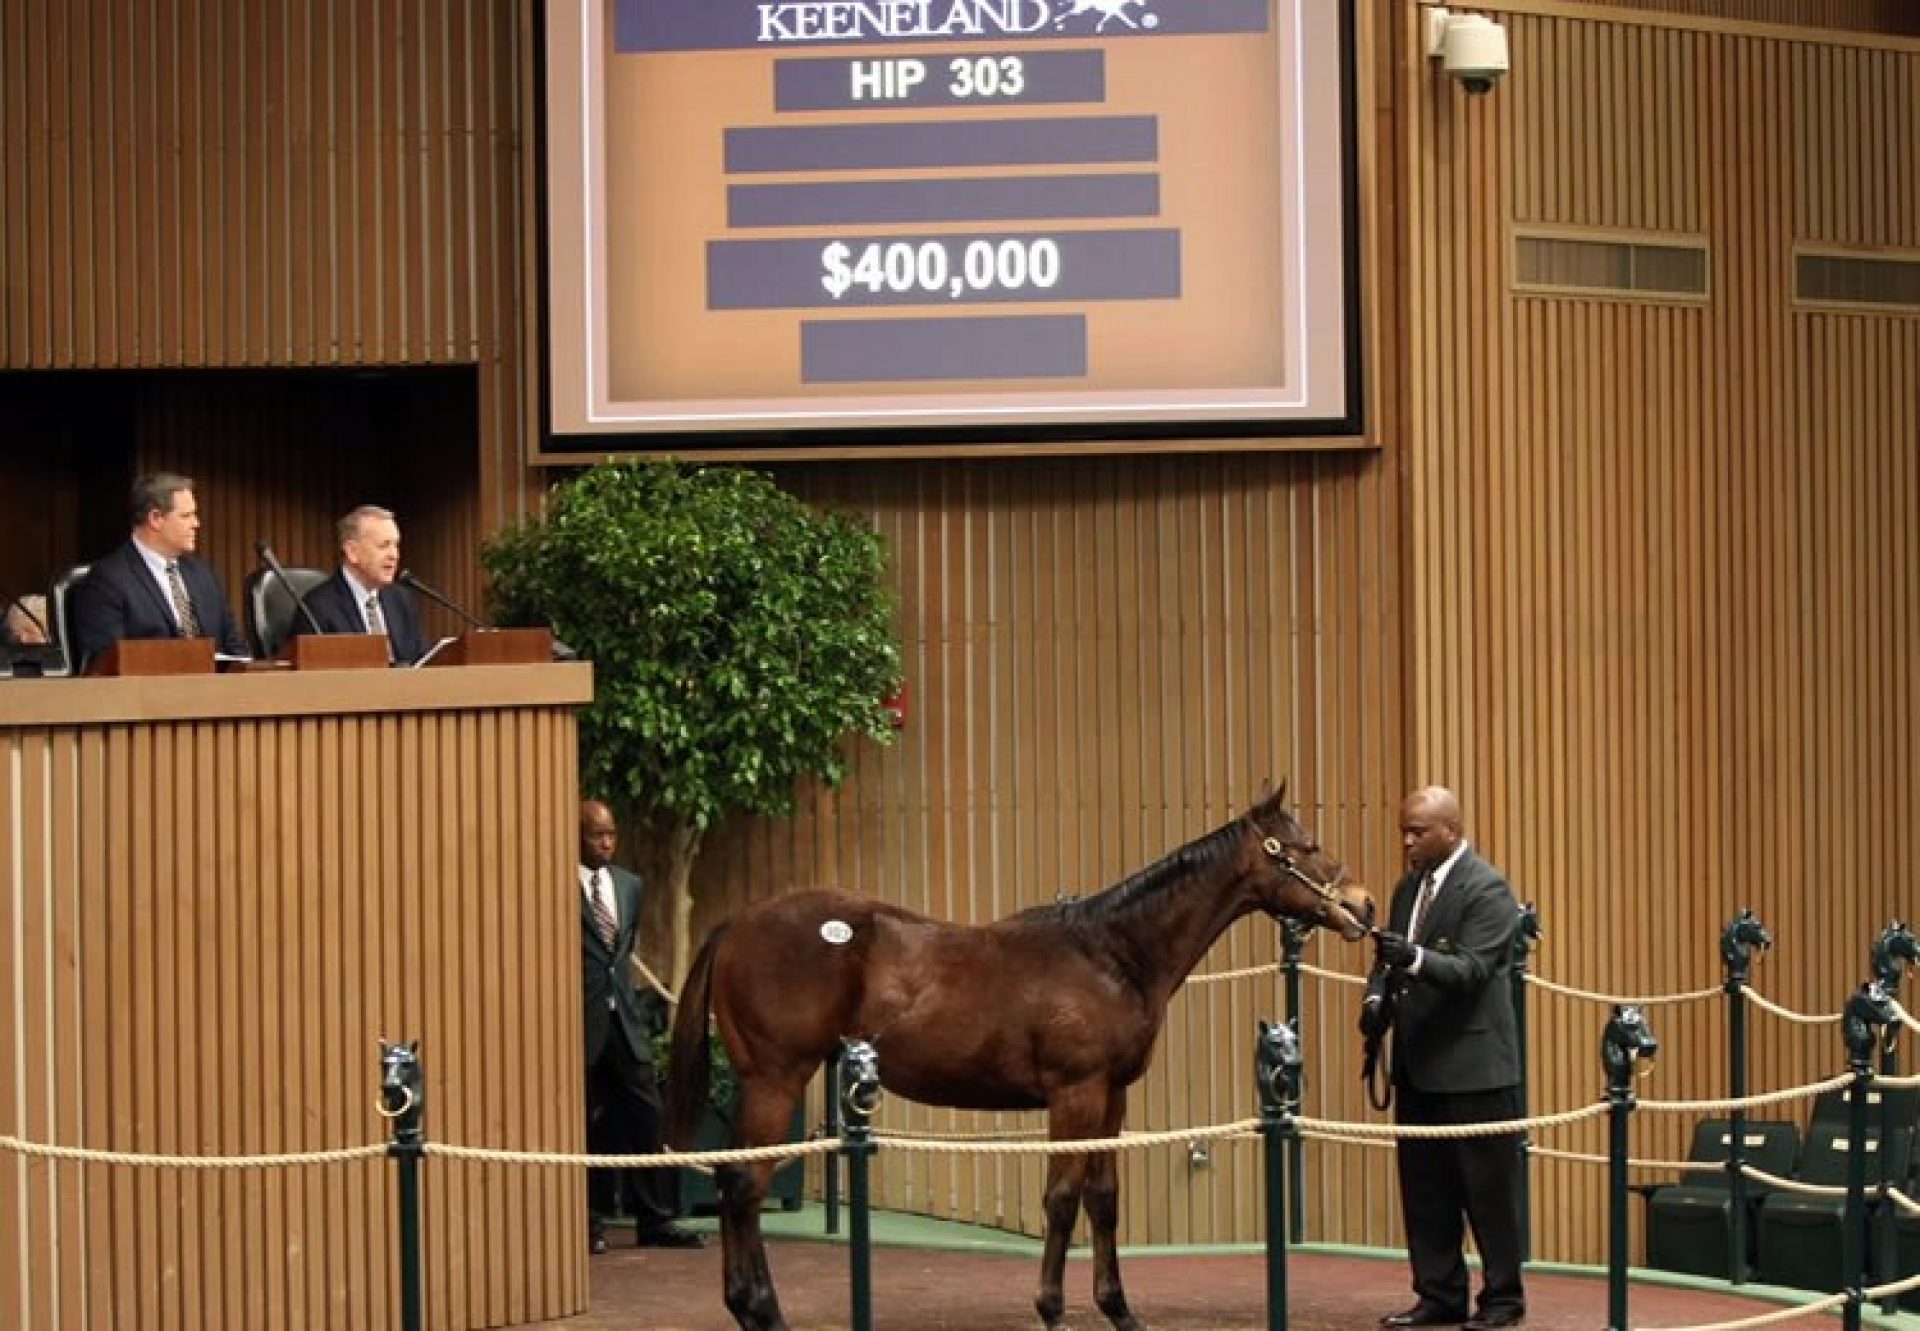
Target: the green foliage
(737, 636)
(720, 1085)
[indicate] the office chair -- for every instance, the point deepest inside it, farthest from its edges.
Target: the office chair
(62, 615)
(271, 616)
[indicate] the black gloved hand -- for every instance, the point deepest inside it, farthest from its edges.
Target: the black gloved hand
(1394, 952)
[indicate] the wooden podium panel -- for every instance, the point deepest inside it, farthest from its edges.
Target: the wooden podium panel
(221, 892)
(336, 651)
(155, 656)
(495, 647)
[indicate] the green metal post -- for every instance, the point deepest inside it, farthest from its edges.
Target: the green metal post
(1868, 1012)
(860, 1064)
(1277, 1065)
(1892, 952)
(1627, 1039)
(403, 1101)
(1294, 942)
(1737, 941)
(1526, 935)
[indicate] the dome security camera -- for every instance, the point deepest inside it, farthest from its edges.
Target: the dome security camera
(1471, 48)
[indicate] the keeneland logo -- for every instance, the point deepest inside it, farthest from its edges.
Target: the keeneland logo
(863, 20)
(1109, 10)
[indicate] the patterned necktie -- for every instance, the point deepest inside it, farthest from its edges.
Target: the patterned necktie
(182, 603)
(603, 921)
(1429, 888)
(377, 622)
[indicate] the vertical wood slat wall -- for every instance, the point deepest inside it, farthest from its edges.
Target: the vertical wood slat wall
(1661, 600)
(1106, 661)
(215, 918)
(1635, 722)
(300, 183)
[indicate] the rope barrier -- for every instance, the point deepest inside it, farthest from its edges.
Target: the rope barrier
(1764, 1319)
(1760, 1000)
(1587, 1158)
(1793, 1185)
(1569, 991)
(1009, 1134)
(987, 1143)
(1215, 977)
(659, 1160)
(1650, 1000)
(150, 1160)
(1759, 1101)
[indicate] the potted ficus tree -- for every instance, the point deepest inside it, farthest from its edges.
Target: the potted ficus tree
(739, 638)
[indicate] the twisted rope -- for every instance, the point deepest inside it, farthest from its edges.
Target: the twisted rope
(1009, 1134)
(1240, 1128)
(1759, 1101)
(1789, 1014)
(1767, 1319)
(659, 1160)
(151, 1160)
(1650, 1000)
(1214, 977)
(1336, 1128)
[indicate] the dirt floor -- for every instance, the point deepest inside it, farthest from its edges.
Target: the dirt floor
(923, 1289)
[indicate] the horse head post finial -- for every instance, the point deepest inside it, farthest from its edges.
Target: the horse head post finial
(1626, 1039)
(1526, 934)
(860, 1074)
(1869, 1011)
(402, 1090)
(1892, 951)
(1277, 1065)
(1743, 934)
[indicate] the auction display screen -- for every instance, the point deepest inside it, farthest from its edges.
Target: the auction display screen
(863, 221)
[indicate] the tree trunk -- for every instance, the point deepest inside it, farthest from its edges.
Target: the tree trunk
(683, 845)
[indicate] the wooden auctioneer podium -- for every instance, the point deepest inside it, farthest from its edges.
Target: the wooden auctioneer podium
(221, 891)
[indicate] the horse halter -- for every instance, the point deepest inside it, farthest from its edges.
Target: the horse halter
(1329, 893)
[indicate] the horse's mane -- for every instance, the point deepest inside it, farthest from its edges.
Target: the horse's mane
(1127, 895)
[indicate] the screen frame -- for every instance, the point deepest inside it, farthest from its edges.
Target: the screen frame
(1348, 430)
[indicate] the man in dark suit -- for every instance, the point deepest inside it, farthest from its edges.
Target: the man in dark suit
(361, 596)
(623, 1097)
(1456, 1060)
(153, 587)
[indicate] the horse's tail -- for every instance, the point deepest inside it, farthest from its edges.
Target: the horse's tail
(689, 1073)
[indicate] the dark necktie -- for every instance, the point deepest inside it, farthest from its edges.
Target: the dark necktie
(603, 921)
(182, 603)
(1422, 907)
(377, 623)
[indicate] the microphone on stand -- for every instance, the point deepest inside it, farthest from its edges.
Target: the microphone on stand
(406, 579)
(561, 652)
(265, 552)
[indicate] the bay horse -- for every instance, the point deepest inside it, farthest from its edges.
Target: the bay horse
(1056, 1008)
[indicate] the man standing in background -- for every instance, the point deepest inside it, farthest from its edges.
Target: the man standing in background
(623, 1096)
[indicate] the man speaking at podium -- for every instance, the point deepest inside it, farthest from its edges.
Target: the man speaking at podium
(153, 587)
(361, 596)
